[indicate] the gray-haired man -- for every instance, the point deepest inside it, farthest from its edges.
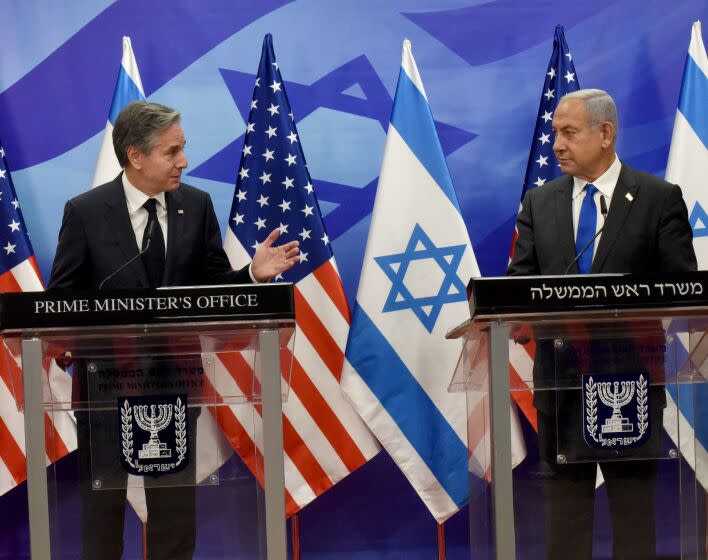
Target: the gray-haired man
(646, 232)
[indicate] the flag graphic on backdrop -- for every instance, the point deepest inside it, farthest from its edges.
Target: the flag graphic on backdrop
(688, 167)
(19, 273)
(324, 438)
(542, 166)
(412, 290)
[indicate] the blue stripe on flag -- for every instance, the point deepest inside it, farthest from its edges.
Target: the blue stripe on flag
(126, 91)
(693, 102)
(414, 122)
(416, 415)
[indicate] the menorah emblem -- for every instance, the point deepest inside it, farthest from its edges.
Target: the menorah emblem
(616, 395)
(157, 419)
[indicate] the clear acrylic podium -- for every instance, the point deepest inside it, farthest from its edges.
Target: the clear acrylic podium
(164, 386)
(609, 371)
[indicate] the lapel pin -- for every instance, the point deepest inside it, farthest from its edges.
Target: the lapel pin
(180, 212)
(629, 197)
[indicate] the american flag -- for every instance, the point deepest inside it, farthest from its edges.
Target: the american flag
(542, 166)
(324, 438)
(19, 273)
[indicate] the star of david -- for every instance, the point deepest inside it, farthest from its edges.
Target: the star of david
(421, 248)
(331, 92)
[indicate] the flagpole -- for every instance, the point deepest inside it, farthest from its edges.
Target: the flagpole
(441, 541)
(145, 536)
(295, 535)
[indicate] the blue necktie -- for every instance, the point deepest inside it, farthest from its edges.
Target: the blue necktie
(587, 223)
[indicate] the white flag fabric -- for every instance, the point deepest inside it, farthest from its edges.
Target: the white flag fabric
(412, 290)
(128, 88)
(688, 168)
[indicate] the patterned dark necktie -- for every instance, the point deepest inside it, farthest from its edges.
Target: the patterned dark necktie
(154, 257)
(587, 224)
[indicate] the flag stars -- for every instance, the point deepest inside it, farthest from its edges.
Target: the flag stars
(539, 182)
(275, 65)
(241, 195)
(273, 109)
(547, 116)
(9, 248)
(243, 174)
(246, 150)
(14, 226)
(238, 219)
(284, 206)
(308, 187)
(256, 245)
(268, 155)
(263, 201)
(254, 104)
(325, 239)
(283, 228)
(570, 56)
(272, 131)
(545, 138)
(260, 223)
(275, 86)
(265, 178)
(549, 94)
(303, 256)
(288, 183)
(250, 127)
(2, 173)
(305, 233)
(258, 82)
(542, 160)
(291, 159)
(292, 118)
(292, 137)
(15, 203)
(551, 73)
(307, 210)
(569, 76)
(2, 152)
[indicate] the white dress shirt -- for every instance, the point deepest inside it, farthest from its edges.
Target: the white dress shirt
(605, 185)
(139, 216)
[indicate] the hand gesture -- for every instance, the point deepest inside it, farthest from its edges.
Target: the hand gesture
(269, 261)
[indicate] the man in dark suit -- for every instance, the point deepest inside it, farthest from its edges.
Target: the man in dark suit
(646, 231)
(147, 208)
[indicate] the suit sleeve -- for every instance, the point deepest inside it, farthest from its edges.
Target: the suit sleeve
(70, 269)
(217, 266)
(524, 261)
(675, 237)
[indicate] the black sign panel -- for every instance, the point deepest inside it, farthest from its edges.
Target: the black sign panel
(30, 310)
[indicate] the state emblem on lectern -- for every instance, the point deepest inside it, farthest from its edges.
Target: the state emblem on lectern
(153, 434)
(616, 410)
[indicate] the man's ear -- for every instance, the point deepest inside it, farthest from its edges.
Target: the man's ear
(135, 157)
(609, 134)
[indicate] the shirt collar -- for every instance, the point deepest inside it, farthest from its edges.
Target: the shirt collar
(136, 198)
(605, 183)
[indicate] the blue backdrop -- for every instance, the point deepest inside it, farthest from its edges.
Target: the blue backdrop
(482, 64)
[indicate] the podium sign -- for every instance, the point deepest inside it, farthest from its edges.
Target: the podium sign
(608, 371)
(156, 376)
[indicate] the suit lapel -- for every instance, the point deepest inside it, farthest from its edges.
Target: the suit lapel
(616, 217)
(564, 223)
(118, 221)
(175, 225)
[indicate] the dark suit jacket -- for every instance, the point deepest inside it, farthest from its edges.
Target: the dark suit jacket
(645, 233)
(96, 238)
(648, 234)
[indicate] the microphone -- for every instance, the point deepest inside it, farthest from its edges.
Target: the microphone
(148, 237)
(603, 211)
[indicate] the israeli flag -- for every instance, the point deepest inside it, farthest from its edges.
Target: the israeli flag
(129, 88)
(412, 290)
(688, 168)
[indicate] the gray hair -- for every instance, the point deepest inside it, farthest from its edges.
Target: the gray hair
(138, 125)
(600, 105)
